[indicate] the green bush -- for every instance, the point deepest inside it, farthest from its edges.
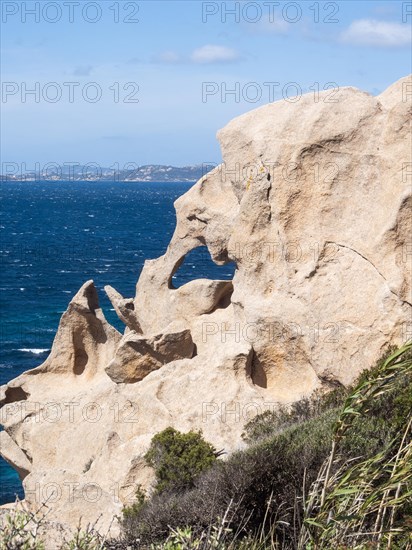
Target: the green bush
(271, 422)
(134, 509)
(179, 458)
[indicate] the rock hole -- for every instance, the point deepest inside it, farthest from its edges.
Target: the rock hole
(80, 362)
(257, 372)
(198, 264)
(15, 394)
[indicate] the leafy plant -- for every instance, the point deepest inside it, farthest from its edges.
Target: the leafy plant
(179, 458)
(88, 539)
(272, 422)
(20, 529)
(84, 540)
(134, 509)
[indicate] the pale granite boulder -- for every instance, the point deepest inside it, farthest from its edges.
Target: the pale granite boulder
(313, 204)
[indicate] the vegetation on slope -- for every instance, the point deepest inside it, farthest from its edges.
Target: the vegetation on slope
(334, 472)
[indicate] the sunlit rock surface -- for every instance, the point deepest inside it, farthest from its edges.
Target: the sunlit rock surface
(313, 204)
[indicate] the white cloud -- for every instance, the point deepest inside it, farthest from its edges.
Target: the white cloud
(274, 25)
(372, 32)
(214, 54)
(168, 56)
(206, 54)
(83, 70)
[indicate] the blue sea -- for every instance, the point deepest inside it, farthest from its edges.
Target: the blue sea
(57, 235)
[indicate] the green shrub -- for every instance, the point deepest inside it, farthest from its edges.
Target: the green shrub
(271, 422)
(179, 458)
(134, 509)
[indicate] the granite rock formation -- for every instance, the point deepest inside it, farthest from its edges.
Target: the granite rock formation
(313, 204)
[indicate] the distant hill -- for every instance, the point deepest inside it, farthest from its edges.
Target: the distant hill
(93, 172)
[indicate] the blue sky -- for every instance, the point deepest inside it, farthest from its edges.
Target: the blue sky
(163, 57)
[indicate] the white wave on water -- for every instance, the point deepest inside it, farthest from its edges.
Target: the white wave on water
(36, 351)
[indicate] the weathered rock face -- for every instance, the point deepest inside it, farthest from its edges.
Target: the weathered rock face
(138, 356)
(313, 204)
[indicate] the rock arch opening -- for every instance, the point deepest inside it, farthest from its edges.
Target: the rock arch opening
(198, 264)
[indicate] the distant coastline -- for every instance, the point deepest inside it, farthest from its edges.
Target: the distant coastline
(93, 172)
